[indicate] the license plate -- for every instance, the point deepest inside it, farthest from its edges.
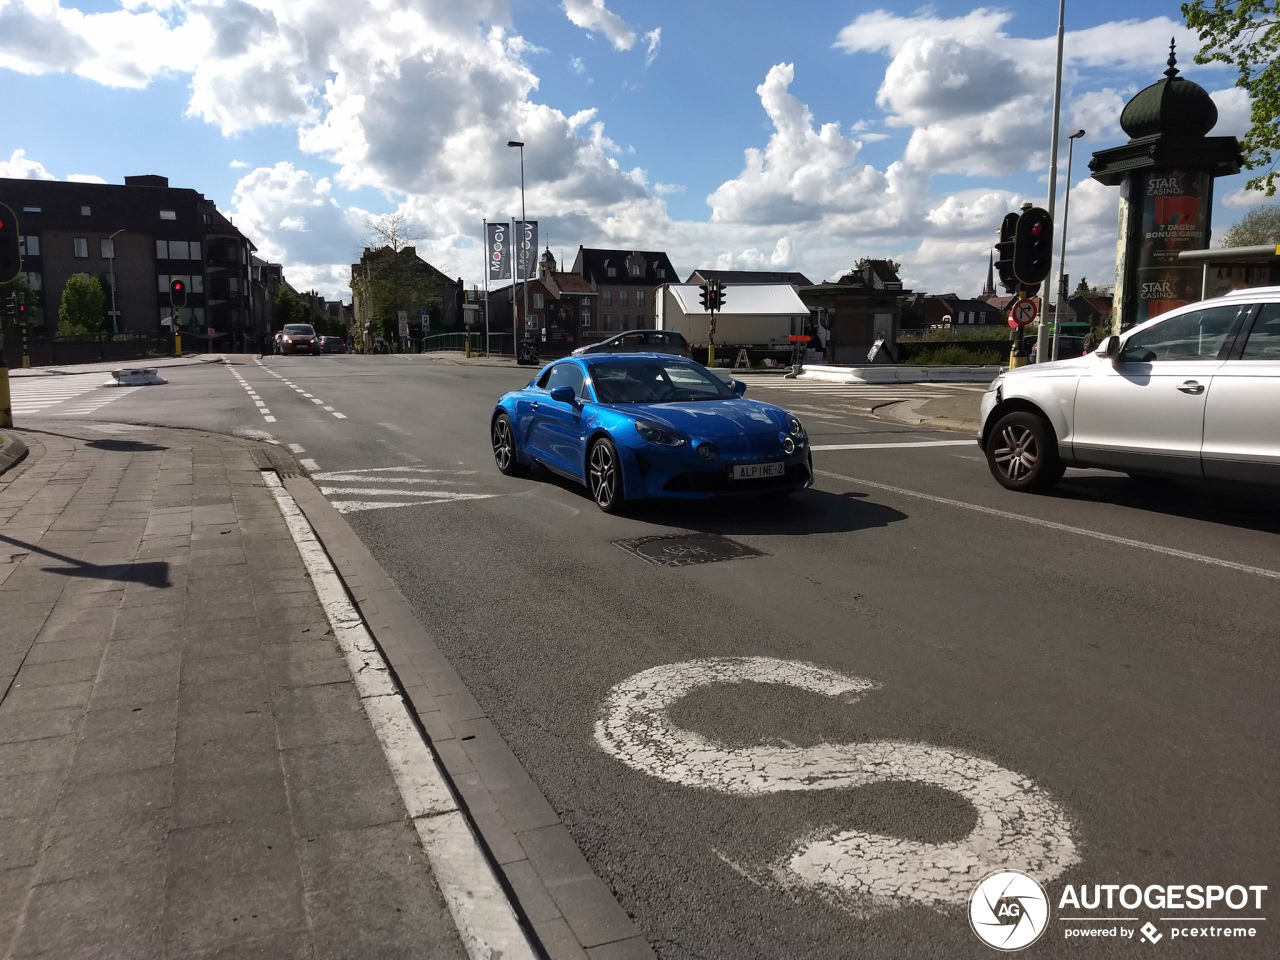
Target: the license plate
(753, 471)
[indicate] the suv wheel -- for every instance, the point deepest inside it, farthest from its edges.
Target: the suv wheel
(1023, 454)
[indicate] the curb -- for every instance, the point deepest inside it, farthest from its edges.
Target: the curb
(66, 373)
(12, 452)
(901, 373)
(909, 416)
(555, 891)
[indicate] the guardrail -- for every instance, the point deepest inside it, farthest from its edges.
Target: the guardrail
(500, 344)
(88, 349)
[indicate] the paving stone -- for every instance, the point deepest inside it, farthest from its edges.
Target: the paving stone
(51, 697)
(39, 724)
(231, 882)
(14, 884)
(77, 849)
(340, 786)
(27, 795)
(21, 840)
(137, 795)
(249, 791)
(120, 754)
(115, 912)
(59, 671)
(318, 715)
(36, 756)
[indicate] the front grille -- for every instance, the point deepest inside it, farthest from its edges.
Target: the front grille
(718, 481)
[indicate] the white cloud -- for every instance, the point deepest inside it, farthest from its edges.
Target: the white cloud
(595, 17)
(1233, 112)
(652, 39)
(238, 165)
(663, 189)
(85, 178)
(293, 218)
(18, 167)
(577, 66)
(1243, 199)
(1097, 112)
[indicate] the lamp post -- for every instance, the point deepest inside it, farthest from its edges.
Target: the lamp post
(111, 260)
(1062, 254)
(520, 144)
(1042, 340)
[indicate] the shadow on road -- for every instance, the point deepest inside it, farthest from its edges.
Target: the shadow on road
(807, 512)
(1238, 506)
(124, 446)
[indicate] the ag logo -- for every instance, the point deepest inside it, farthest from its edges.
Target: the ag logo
(1008, 910)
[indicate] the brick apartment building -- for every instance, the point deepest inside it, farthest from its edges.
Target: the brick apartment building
(142, 234)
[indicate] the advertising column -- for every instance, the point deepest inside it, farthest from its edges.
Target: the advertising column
(1175, 209)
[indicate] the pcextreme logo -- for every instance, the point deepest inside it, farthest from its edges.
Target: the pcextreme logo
(1008, 910)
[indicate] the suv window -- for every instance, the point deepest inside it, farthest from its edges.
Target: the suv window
(1264, 339)
(1197, 335)
(564, 375)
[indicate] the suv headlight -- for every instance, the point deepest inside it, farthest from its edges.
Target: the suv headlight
(660, 435)
(795, 428)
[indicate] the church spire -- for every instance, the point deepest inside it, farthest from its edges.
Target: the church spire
(990, 289)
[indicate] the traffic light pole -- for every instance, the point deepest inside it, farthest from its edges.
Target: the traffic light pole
(6, 406)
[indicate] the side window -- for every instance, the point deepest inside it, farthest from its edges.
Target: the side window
(1264, 339)
(1197, 335)
(565, 375)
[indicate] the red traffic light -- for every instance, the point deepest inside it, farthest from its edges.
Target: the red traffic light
(177, 286)
(1037, 229)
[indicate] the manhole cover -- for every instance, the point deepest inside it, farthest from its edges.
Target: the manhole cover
(683, 549)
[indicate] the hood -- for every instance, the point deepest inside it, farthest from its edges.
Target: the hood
(1057, 368)
(713, 418)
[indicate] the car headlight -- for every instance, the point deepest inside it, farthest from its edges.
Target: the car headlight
(795, 428)
(660, 435)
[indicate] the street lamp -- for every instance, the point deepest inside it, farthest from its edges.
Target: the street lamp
(520, 144)
(1062, 254)
(1042, 338)
(111, 260)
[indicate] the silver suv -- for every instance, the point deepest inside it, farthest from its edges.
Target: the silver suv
(1193, 393)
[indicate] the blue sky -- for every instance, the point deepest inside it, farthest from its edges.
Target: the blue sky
(878, 128)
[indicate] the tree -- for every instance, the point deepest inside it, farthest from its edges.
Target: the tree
(1259, 226)
(390, 230)
(1246, 35)
(1085, 289)
(863, 261)
(83, 307)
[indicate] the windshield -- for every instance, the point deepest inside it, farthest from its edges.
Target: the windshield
(299, 329)
(655, 381)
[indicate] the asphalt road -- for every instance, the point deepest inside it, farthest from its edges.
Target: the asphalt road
(1085, 680)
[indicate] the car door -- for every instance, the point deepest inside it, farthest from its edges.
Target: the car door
(1242, 414)
(1145, 410)
(557, 429)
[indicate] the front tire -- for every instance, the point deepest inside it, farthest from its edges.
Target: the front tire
(604, 475)
(504, 447)
(1022, 453)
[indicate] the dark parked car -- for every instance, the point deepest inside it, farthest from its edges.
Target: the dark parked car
(332, 345)
(299, 338)
(641, 341)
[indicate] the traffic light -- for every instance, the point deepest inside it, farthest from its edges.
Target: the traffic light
(10, 245)
(706, 296)
(717, 296)
(177, 293)
(1004, 252)
(11, 307)
(1033, 247)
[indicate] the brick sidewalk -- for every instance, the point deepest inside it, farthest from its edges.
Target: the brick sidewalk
(185, 766)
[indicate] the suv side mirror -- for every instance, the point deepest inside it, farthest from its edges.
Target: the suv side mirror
(1111, 348)
(739, 387)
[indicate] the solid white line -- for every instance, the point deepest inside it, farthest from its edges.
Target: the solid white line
(440, 495)
(309, 465)
(485, 919)
(1062, 527)
(894, 446)
(297, 448)
(356, 477)
(325, 476)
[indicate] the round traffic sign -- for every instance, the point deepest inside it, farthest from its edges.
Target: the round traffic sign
(1023, 312)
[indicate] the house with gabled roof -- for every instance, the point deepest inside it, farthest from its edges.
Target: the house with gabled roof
(627, 282)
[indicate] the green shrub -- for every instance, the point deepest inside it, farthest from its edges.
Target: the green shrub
(959, 357)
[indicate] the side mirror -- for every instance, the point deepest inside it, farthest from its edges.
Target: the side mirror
(564, 395)
(739, 387)
(1111, 348)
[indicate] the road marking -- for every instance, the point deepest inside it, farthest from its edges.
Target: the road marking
(269, 419)
(436, 496)
(309, 465)
(33, 394)
(1062, 527)
(484, 917)
(1018, 825)
(313, 399)
(364, 470)
(91, 404)
(893, 446)
(368, 479)
(340, 416)
(297, 448)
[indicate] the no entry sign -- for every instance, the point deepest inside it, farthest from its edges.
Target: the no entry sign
(1023, 312)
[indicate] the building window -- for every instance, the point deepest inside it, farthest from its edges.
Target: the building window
(178, 250)
(608, 321)
(626, 322)
(639, 298)
(162, 249)
(168, 215)
(622, 298)
(30, 209)
(35, 280)
(537, 301)
(608, 297)
(662, 272)
(107, 248)
(81, 247)
(84, 211)
(197, 283)
(194, 249)
(30, 246)
(234, 284)
(635, 270)
(613, 271)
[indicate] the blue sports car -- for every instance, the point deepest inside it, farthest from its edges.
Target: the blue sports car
(631, 426)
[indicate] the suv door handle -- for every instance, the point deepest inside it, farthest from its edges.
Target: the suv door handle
(1192, 387)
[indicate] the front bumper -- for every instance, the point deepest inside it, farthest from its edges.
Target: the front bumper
(989, 401)
(680, 473)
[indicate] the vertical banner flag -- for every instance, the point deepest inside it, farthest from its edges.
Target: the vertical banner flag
(498, 243)
(526, 248)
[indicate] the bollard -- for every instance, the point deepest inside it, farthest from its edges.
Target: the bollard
(711, 355)
(6, 407)
(177, 344)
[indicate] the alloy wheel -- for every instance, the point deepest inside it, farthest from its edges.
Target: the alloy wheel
(502, 446)
(604, 475)
(1017, 453)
